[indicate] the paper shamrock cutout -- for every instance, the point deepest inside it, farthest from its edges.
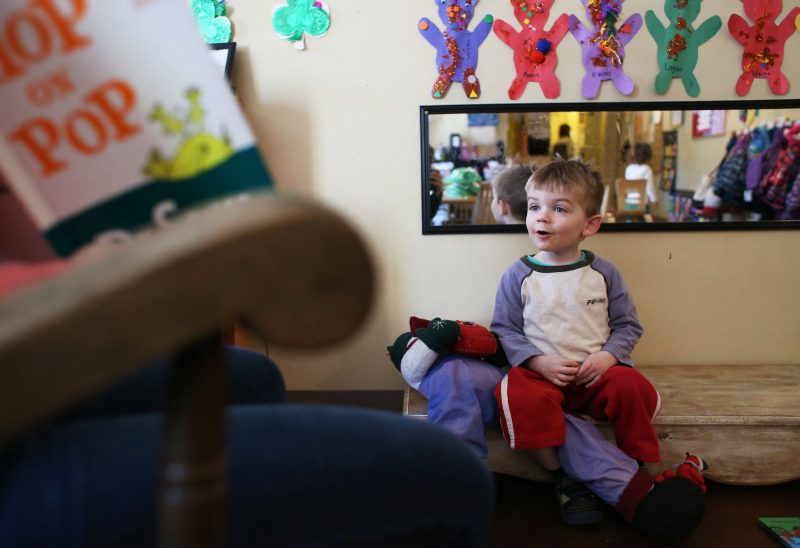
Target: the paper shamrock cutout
(534, 47)
(604, 45)
(763, 43)
(678, 44)
(297, 17)
(210, 17)
(456, 47)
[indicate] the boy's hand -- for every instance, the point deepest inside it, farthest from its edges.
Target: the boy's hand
(594, 367)
(560, 371)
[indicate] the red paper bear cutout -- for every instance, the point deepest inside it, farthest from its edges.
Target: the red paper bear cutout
(763, 43)
(534, 47)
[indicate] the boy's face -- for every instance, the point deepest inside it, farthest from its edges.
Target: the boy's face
(557, 223)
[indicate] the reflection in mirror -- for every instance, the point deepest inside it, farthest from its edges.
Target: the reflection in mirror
(665, 166)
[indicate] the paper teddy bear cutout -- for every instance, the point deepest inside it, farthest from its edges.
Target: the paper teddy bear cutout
(678, 44)
(604, 45)
(456, 47)
(534, 47)
(763, 43)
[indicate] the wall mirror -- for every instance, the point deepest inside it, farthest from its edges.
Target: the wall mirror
(716, 164)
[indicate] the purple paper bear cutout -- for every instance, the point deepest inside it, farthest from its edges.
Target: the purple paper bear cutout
(456, 47)
(604, 45)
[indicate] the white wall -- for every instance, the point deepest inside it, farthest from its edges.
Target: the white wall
(340, 121)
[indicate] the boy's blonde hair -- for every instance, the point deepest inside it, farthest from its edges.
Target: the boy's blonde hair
(570, 176)
(509, 186)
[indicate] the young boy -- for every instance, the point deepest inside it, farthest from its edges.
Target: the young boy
(567, 324)
(460, 398)
(460, 390)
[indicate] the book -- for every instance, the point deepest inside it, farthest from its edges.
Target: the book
(784, 530)
(114, 117)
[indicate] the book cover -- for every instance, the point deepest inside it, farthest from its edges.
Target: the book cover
(784, 530)
(114, 117)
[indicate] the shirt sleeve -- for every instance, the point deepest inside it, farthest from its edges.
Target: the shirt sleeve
(507, 322)
(652, 195)
(622, 318)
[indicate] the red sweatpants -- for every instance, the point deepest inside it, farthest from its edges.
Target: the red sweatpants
(532, 409)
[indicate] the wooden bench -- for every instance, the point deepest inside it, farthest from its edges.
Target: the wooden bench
(743, 420)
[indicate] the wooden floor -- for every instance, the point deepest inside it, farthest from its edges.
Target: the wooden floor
(526, 514)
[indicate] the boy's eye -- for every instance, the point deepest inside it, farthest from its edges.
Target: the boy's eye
(533, 207)
(561, 209)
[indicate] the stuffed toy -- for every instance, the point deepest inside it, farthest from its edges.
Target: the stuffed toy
(603, 45)
(691, 468)
(534, 47)
(456, 47)
(414, 352)
(473, 340)
(678, 44)
(763, 43)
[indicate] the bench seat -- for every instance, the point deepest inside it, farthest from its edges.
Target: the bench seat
(744, 420)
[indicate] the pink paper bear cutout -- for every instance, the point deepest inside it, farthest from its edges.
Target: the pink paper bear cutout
(604, 45)
(763, 43)
(456, 47)
(534, 47)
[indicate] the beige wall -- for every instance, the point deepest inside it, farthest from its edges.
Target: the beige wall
(340, 122)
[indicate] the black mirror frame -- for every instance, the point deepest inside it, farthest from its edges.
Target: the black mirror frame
(426, 110)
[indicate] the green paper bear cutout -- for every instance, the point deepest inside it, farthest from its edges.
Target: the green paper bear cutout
(299, 16)
(678, 44)
(210, 17)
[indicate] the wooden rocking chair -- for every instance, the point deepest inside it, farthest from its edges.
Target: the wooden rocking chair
(292, 270)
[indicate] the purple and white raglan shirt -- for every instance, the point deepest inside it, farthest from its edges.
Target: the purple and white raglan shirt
(570, 311)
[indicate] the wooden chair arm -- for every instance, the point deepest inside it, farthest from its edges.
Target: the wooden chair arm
(293, 270)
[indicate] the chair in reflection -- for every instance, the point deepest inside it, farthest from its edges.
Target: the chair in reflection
(482, 213)
(460, 209)
(631, 200)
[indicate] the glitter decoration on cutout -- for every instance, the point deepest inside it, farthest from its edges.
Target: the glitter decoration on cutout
(763, 44)
(534, 47)
(603, 45)
(210, 16)
(297, 17)
(679, 43)
(456, 47)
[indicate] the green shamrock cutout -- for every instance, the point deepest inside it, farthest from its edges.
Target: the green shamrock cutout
(297, 17)
(210, 17)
